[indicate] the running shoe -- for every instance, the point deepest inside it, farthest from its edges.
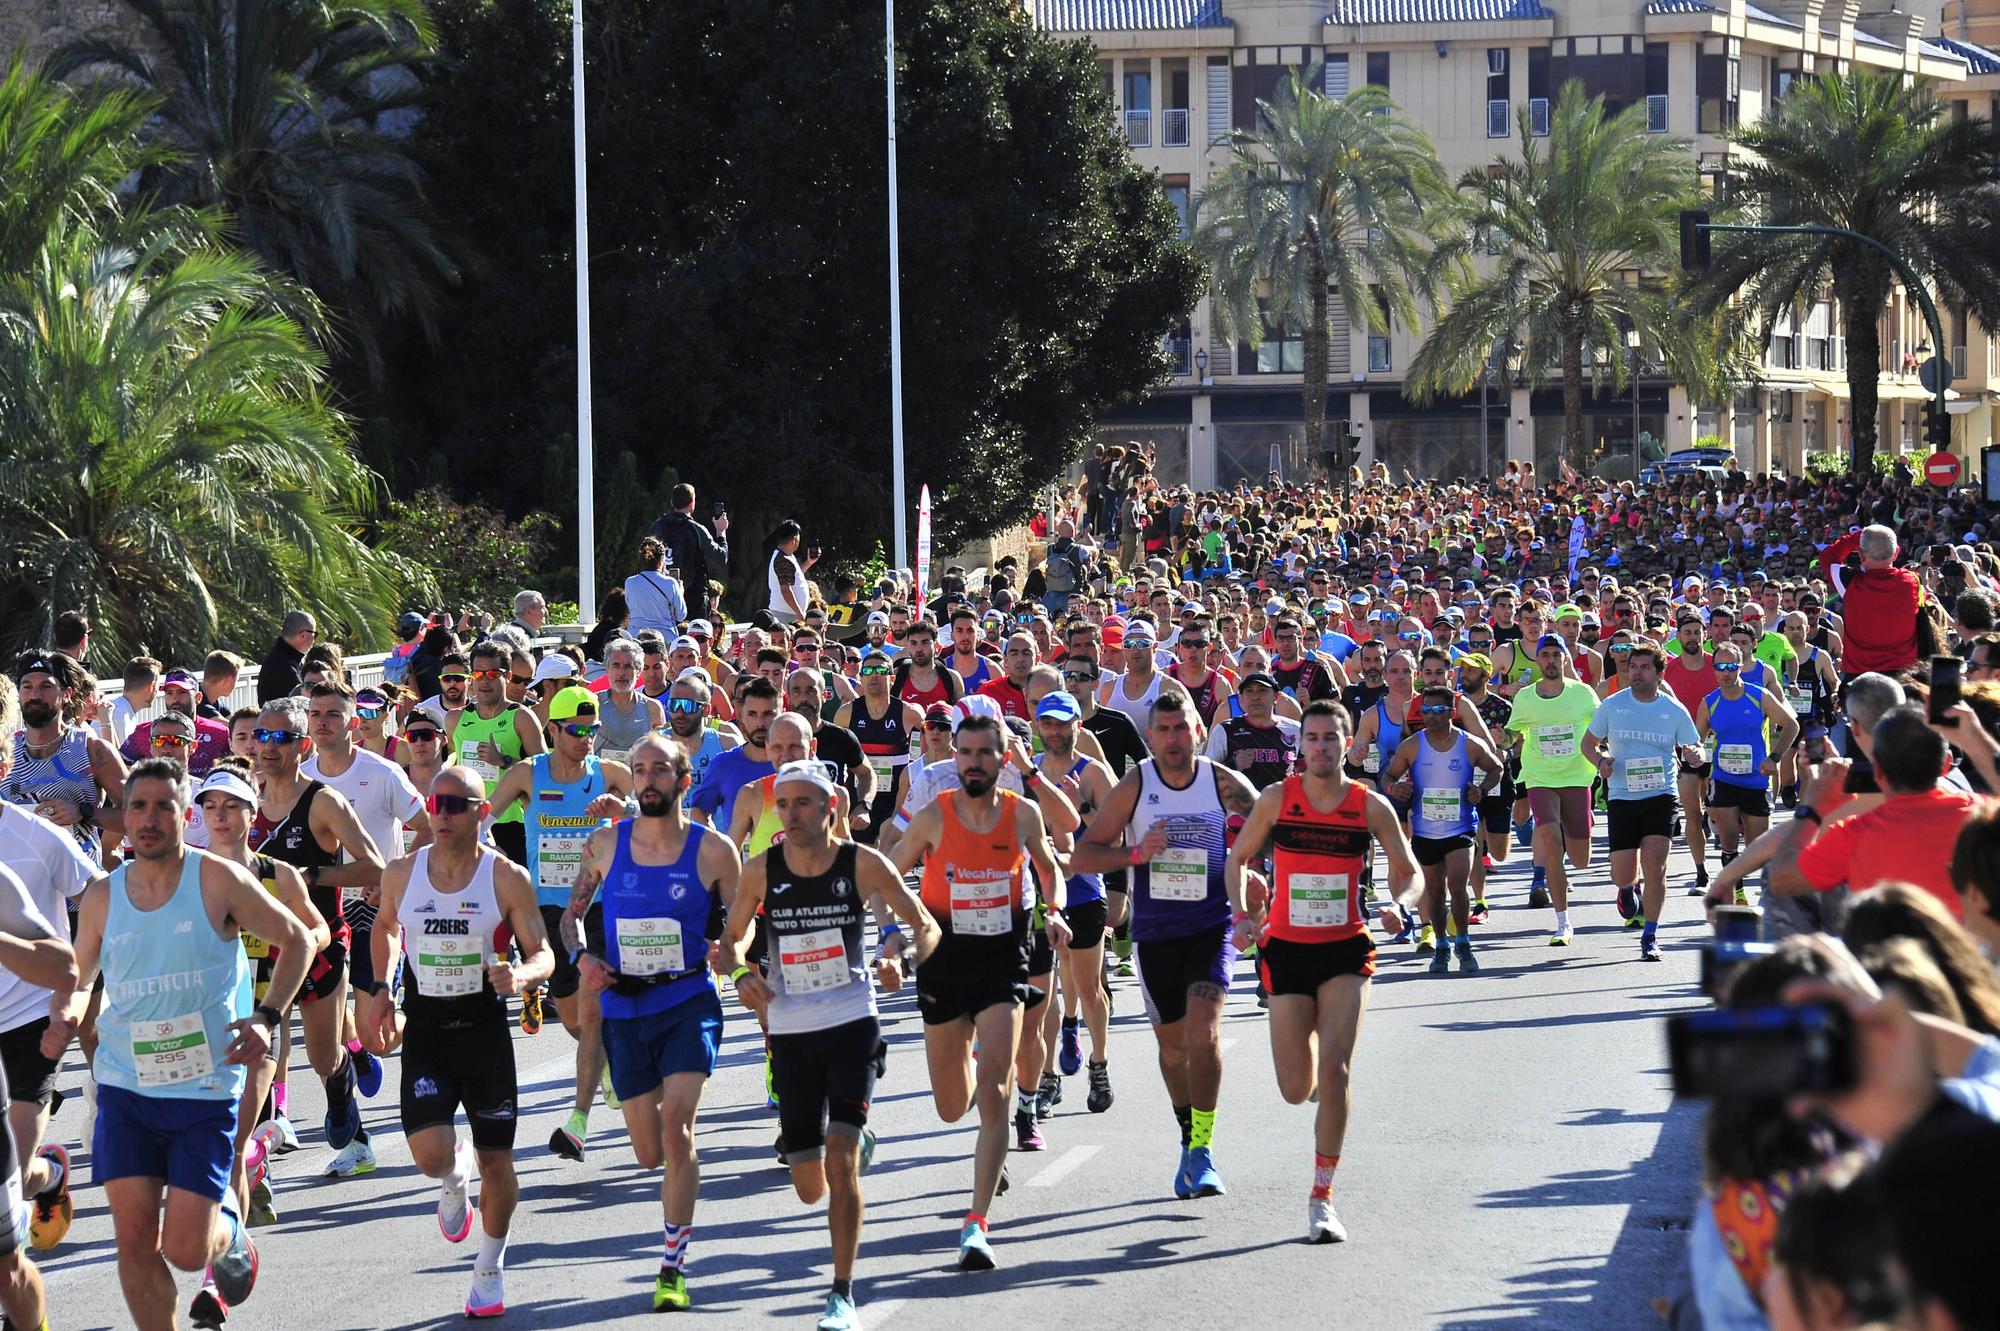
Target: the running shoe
(1538, 888)
(531, 1020)
(1742, 897)
(357, 1157)
(1183, 1187)
(265, 1142)
(235, 1271)
(1403, 935)
(1027, 1133)
(367, 1073)
(1322, 1225)
(1467, 963)
(566, 1143)
(1048, 1095)
(1426, 939)
(343, 1111)
(1524, 834)
(1100, 1088)
(840, 1314)
(1125, 971)
(455, 1204)
(1480, 911)
(208, 1311)
(868, 1140)
(670, 1291)
(263, 1207)
(610, 1096)
(1441, 963)
(1649, 950)
(1071, 1058)
(1203, 1179)
(288, 1136)
(771, 1080)
(488, 1297)
(53, 1209)
(1562, 937)
(1628, 904)
(1700, 887)
(974, 1252)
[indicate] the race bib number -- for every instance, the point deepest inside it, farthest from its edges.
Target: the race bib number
(558, 858)
(650, 945)
(812, 962)
(1801, 704)
(409, 839)
(1734, 759)
(1179, 873)
(1644, 774)
(171, 1052)
(616, 756)
(1316, 900)
(1440, 804)
(982, 906)
(885, 775)
(1371, 762)
(448, 966)
(468, 756)
(1556, 741)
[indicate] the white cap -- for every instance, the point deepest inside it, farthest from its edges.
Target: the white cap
(695, 672)
(229, 783)
(684, 641)
(707, 630)
(877, 617)
(977, 704)
(555, 666)
(805, 772)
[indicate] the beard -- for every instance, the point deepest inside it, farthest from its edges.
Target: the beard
(655, 803)
(758, 738)
(684, 724)
(37, 713)
(978, 783)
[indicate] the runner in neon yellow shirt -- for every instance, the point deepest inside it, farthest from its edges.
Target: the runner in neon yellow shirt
(1548, 724)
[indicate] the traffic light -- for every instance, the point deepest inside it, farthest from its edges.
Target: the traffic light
(1937, 427)
(1694, 240)
(1338, 451)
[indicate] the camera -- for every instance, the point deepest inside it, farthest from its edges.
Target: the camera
(1772, 1051)
(1739, 932)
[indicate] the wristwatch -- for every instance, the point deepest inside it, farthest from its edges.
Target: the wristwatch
(270, 1016)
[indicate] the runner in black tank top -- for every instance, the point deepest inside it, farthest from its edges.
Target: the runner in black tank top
(882, 738)
(291, 839)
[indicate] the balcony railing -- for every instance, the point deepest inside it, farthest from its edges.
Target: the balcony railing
(1180, 351)
(1538, 116)
(1656, 113)
(1139, 128)
(1497, 116)
(1174, 127)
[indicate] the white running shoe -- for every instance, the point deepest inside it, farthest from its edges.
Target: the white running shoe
(1322, 1225)
(489, 1295)
(455, 1209)
(1562, 937)
(288, 1136)
(357, 1157)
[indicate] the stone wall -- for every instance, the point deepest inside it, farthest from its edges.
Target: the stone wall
(44, 26)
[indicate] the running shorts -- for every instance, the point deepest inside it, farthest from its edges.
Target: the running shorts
(1749, 801)
(1434, 850)
(1086, 923)
(1169, 967)
(1569, 803)
(29, 1075)
(189, 1143)
(1301, 968)
(825, 1080)
(469, 1066)
(1632, 821)
(566, 980)
(644, 1051)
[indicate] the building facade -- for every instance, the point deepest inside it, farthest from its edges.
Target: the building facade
(1184, 74)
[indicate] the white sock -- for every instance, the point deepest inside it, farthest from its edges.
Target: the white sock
(1562, 920)
(454, 1179)
(492, 1252)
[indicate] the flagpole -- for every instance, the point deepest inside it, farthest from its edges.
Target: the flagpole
(586, 478)
(895, 313)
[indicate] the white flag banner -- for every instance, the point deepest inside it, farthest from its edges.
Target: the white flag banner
(923, 541)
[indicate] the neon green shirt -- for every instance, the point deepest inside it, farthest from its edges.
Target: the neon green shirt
(1552, 752)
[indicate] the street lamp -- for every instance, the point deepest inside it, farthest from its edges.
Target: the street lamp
(1632, 342)
(1201, 365)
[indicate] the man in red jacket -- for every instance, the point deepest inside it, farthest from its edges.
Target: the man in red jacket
(1878, 605)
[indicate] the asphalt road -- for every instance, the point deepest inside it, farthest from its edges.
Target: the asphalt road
(1515, 1160)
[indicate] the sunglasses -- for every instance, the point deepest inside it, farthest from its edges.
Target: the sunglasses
(1479, 644)
(684, 705)
(494, 673)
(1079, 677)
(421, 736)
(1621, 647)
(263, 736)
(527, 681)
(454, 677)
(172, 741)
(940, 723)
(1727, 667)
(1436, 708)
(874, 670)
(805, 649)
(368, 713)
(1195, 644)
(451, 804)
(581, 729)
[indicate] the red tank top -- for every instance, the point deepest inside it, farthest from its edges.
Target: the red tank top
(1316, 867)
(972, 881)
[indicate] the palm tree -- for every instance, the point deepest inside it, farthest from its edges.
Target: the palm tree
(1863, 151)
(284, 113)
(1324, 199)
(169, 462)
(1594, 199)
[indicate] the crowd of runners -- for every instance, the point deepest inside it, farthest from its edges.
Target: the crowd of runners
(1282, 723)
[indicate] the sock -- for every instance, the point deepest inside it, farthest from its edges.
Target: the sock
(844, 1288)
(1646, 934)
(1186, 1117)
(1202, 1129)
(56, 1173)
(1024, 1101)
(579, 1124)
(455, 1179)
(354, 1048)
(1069, 1024)
(361, 1135)
(278, 1098)
(1562, 920)
(1323, 1167)
(492, 1253)
(974, 1218)
(675, 1256)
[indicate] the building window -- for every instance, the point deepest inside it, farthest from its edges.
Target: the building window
(1538, 90)
(1716, 79)
(1174, 127)
(1139, 103)
(1218, 99)
(1656, 87)
(1378, 343)
(1177, 194)
(1283, 350)
(1336, 75)
(1498, 111)
(1378, 69)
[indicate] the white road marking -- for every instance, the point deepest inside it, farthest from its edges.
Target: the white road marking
(1063, 1166)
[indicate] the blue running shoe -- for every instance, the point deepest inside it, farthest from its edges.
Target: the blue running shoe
(235, 1271)
(1071, 1059)
(840, 1314)
(1524, 834)
(367, 1073)
(974, 1252)
(1202, 1176)
(1183, 1184)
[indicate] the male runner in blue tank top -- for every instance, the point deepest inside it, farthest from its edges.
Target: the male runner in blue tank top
(175, 1034)
(1441, 773)
(1734, 716)
(659, 883)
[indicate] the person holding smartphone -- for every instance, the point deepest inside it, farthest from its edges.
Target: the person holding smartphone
(693, 551)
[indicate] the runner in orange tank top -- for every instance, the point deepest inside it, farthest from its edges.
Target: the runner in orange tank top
(1316, 954)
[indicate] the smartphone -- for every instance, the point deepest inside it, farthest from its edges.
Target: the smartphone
(1947, 674)
(717, 509)
(1739, 924)
(1772, 1051)
(1940, 555)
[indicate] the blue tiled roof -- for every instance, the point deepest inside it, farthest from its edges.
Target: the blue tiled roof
(1436, 11)
(1128, 15)
(1680, 7)
(1766, 16)
(1978, 59)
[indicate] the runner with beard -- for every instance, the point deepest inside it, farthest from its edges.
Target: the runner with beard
(885, 726)
(624, 715)
(1360, 696)
(1255, 740)
(714, 799)
(975, 843)
(62, 771)
(1441, 773)
(1300, 676)
(920, 678)
(1496, 810)
(965, 661)
(454, 681)
(689, 728)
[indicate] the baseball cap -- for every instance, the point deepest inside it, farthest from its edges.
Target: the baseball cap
(1477, 660)
(805, 772)
(684, 641)
(699, 628)
(1140, 634)
(977, 704)
(226, 782)
(877, 617)
(179, 679)
(1548, 640)
(570, 701)
(1567, 611)
(1257, 677)
(1059, 705)
(554, 666)
(410, 622)
(1112, 633)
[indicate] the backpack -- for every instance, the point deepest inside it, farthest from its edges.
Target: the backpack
(1063, 573)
